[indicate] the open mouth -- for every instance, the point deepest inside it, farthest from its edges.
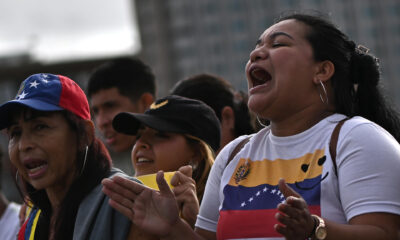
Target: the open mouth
(259, 76)
(143, 160)
(35, 166)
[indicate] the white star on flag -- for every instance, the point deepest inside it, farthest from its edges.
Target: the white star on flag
(22, 95)
(273, 191)
(258, 193)
(45, 80)
(250, 199)
(265, 189)
(34, 84)
(243, 204)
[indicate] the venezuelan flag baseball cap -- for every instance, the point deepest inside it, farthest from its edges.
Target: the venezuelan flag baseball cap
(174, 114)
(47, 92)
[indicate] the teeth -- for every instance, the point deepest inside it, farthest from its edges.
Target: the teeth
(141, 160)
(36, 168)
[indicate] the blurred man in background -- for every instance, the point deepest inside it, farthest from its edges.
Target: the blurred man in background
(121, 85)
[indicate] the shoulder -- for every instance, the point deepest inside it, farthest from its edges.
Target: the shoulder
(232, 147)
(362, 139)
(362, 130)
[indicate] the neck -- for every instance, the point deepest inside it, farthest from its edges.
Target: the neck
(57, 193)
(298, 122)
(3, 204)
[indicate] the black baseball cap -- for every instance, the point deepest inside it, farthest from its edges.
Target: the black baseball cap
(177, 115)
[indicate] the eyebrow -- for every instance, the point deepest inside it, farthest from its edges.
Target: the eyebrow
(274, 35)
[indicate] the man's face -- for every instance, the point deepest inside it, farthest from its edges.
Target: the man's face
(105, 104)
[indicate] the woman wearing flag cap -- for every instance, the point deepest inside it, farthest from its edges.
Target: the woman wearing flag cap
(306, 77)
(59, 162)
(173, 133)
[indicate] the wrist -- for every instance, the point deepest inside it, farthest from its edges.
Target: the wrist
(319, 231)
(311, 235)
(178, 230)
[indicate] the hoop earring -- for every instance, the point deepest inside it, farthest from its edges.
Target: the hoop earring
(84, 160)
(326, 94)
(259, 122)
(194, 165)
(16, 177)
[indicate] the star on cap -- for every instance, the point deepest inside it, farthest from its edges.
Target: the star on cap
(34, 84)
(22, 95)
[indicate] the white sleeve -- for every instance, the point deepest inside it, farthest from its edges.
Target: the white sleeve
(209, 208)
(368, 171)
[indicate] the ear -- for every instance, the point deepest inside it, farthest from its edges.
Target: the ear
(196, 157)
(145, 100)
(325, 71)
(89, 129)
(227, 125)
(227, 118)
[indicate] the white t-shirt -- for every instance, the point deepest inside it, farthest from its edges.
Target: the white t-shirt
(9, 222)
(240, 199)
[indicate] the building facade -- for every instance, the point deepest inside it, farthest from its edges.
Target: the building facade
(181, 38)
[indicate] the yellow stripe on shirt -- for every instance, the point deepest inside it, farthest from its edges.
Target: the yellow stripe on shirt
(248, 175)
(33, 229)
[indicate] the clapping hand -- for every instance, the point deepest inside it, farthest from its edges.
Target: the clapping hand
(185, 194)
(151, 210)
(294, 217)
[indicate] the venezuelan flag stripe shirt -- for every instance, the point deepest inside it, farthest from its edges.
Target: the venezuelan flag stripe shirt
(240, 199)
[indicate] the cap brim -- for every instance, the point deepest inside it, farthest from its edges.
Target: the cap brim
(31, 103)
(129, 123)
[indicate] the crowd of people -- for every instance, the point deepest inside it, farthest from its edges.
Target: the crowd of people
(325, 166)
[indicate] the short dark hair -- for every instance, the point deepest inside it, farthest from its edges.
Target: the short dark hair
(131, 76)
(354, 66)
(217, 93)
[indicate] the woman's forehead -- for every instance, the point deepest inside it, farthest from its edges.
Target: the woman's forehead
(289, 26)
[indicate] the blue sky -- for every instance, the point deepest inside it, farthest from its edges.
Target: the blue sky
(56, 30)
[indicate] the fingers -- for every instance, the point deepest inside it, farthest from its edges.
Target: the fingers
(163, 185)
(115, 190)
(179, 176)
(286, 190)
(294, 217)
(186, 170)
(134, 187)
(121, 208)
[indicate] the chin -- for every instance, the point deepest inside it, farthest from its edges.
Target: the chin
(255, 105)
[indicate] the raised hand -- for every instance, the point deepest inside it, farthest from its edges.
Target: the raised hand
(294, 216)
(150, 210)
(185, 194)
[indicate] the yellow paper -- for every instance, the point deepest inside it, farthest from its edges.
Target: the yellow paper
(150, 179)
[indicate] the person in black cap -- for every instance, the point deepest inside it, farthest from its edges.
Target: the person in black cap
(175, 131)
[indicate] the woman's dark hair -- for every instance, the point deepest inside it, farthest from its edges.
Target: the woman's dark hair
(90, 174)
(202, 170)
(217, 93)
(355, 82)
